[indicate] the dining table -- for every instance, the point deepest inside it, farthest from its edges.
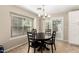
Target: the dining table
(41, 37)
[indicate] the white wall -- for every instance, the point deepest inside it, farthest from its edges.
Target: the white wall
(74, 27)
(5, 26)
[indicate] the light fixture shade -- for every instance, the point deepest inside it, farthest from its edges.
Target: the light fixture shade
(42, 12)
(49, 16)
(44, 16)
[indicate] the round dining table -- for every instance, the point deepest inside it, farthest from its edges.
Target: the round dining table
(41, 37)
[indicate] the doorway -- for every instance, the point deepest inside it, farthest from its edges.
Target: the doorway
(58, 26)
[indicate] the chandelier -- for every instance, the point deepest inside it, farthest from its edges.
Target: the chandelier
(42, 12)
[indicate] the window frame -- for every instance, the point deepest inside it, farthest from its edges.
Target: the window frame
(22, 16)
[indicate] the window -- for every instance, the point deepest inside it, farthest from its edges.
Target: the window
(20, 25)
(47, 24)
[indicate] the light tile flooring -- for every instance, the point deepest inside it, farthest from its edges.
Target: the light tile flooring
(62, 47)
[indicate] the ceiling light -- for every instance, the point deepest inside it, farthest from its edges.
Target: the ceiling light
(42, 12)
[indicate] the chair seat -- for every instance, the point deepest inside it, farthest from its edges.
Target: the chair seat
(49, 42)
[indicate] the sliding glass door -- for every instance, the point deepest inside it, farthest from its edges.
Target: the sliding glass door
(55, 24)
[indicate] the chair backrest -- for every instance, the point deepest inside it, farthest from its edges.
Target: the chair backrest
(31, 40)
(34, 30)
(31, 37)
(54, 36)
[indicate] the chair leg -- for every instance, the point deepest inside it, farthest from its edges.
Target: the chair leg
(41, 50)
(52, 48)
(34, 50)
(28, 49)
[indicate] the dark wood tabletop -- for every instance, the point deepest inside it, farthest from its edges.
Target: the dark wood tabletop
(42, 37)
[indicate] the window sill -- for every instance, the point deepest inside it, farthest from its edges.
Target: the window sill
(12, 38)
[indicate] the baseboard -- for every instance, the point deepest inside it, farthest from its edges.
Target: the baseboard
(74, 44)
(14, 47)
(68, 43)
(63, 41)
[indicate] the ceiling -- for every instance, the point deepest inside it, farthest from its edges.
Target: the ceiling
(51, 9)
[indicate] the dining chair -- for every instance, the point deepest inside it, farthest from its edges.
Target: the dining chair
(34, 31)
(51, 41)
(30, 37)
(31, 41)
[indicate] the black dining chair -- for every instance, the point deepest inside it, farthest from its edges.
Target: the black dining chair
(51, 41)
(34, 31)
(31, 41)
